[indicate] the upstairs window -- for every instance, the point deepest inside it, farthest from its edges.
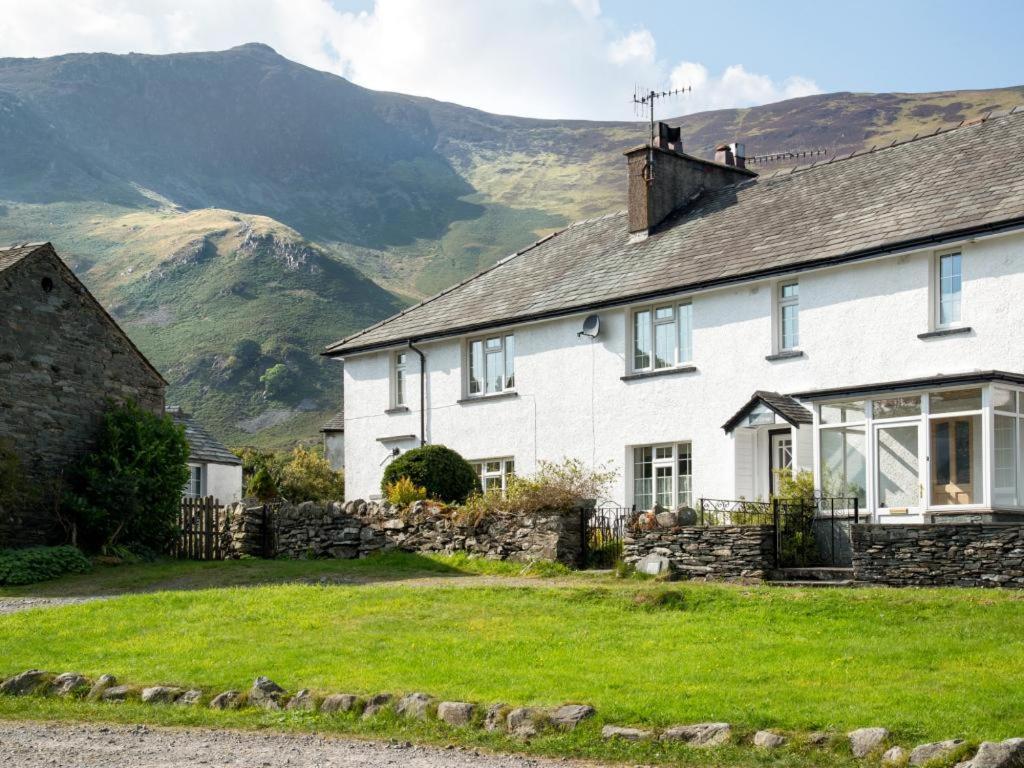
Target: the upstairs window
(788, 313)
(948, 277)
(399, 377)
(492, 362)
(662, 337)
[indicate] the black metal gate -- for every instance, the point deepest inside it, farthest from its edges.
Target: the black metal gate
(601, 534)
(814, 532)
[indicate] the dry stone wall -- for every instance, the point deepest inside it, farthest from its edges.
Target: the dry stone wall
(735, 552)
(963, 555)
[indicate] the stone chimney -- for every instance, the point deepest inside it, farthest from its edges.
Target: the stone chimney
(662, 178)
(734, 154)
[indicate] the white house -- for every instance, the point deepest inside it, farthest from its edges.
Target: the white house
(213, 469)
(862, 318)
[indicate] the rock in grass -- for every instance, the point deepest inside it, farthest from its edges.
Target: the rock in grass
(495, 718)
(104, 682)
(415, 705)
(265, 693)
(25, 683)
(819, 738)
(924, 753)
(68, 684)
(456, 713)
(700, 734)
(523, 721)
(376, 703)
(161, 694)
(117, 693)
(189, 698)
(768, 740)
(568, 716)
(226, 700)
(999, 754)
(627, 734)
(864, 741)
(895, 756)
(303, 700)
(341, 702)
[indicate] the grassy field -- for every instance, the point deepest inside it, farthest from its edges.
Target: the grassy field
(928, 664)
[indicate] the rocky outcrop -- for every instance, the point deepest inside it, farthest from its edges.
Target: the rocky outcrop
(700, 734)
(864, 741)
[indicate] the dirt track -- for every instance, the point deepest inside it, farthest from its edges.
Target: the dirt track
(35, 745)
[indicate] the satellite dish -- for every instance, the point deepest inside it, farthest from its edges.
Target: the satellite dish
(591, 327)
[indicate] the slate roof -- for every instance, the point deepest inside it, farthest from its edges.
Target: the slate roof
(783, 406)
(961, 181)
(15, 253)
(336, 423)
(202, 445)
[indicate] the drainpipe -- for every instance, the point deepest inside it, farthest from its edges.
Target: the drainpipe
(423, 391)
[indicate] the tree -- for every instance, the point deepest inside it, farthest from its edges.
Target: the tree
(127, 492)
(308, 476)
(261, 486)
(278, 381)
(444, 473)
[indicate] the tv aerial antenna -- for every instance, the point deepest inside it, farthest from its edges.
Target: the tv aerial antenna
(644, 101)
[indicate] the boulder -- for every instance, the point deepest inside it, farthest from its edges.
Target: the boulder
(68, 684)
(104, 682)
(495, 718)
(226, 700)
(568, 716)
(667, 519)
(189, 698)
(924, 753)
(999, 754)
(415, 705)
(117, 693)
(303, 700)
(895, 756)
(653, 565)
(700, 734)
(768, 740)
(376, 703)
(161, 694)
(456, 713)
(25, 683)
(523, 721)
(265, 693)
(819, 738)
(341, 702)
(864, 741)
(627, 734)
(686, 516)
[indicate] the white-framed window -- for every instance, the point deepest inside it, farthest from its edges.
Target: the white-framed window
(948, 283)
(492, 364)
(399, 379)
(662, 336)
(663, 474)
(787, 314)
(494, 474)
(194, 486)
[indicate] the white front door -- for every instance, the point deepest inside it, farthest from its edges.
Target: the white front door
(898, 458)
(781, 456)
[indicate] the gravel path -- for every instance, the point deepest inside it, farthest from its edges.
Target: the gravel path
(34, 745)
(15, 604)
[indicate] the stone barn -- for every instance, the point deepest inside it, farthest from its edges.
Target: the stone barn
(63, 359)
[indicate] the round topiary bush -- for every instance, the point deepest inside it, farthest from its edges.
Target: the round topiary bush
(444, 473)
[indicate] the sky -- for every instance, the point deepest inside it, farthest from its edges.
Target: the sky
(567, 58)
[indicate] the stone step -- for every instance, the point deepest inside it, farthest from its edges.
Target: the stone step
(815, 583)
(811, 574)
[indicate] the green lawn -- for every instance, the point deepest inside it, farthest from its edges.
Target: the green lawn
(928, 664)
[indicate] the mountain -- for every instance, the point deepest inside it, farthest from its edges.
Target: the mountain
(237, 211)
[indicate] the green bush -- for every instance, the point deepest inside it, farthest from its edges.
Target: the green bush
(445, 474)
(261, 486)
(307, 476)
(404, 492)
(27, 566)
(127, 492)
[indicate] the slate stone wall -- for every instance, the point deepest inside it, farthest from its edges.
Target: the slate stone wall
(734, 552)
(62, 360)
(965, 555)
(358, 529)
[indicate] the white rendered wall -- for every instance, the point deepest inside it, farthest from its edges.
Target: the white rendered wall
(334, 449)
(858, 325)
(223, 482)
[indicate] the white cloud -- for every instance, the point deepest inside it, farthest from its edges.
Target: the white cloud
(544, 58)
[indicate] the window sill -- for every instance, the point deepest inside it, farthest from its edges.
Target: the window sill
(395, 438)
(487, 398)
(789, 354)
(938, 334)
(398, 409)
(661, 372)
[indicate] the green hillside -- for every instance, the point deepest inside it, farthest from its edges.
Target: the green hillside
(237, 211)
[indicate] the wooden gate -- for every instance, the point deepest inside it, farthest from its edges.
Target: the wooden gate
(204, 527)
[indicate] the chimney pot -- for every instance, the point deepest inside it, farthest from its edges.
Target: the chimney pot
(734, 154)
(669, 138)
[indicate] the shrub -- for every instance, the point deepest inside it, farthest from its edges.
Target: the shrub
(445, 474)
(127, 492)
(793, 487)
(557, 486)
(27, 566)
(404, 491)
(261, 486)
(307, 476)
